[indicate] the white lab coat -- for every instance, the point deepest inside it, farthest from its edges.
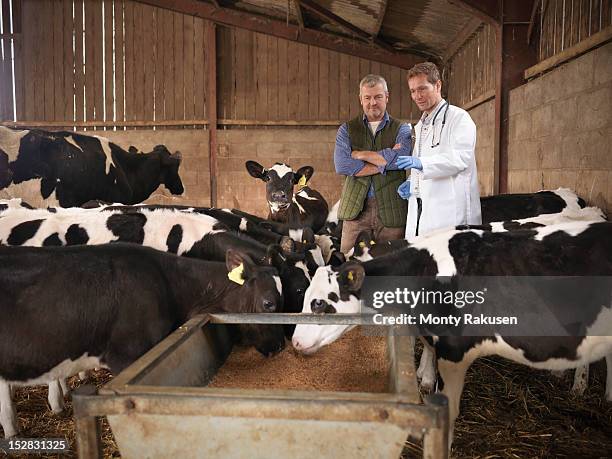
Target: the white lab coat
(449, 180)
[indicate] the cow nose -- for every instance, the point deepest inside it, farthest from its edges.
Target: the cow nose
(279, 195)
(296, 344)
(269, 306)
(318, 306)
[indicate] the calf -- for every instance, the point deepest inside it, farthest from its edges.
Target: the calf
(506, 207)
(305, 208)
(234, 219)
(366, 248)
(121, 301)
(570, 249)
(79, 168)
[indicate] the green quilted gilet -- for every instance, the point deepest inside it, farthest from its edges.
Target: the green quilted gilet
(392, 209)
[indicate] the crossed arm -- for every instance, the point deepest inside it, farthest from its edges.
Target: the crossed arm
(364, 163)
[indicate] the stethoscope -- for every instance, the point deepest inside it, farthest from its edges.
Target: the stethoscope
(433, 122)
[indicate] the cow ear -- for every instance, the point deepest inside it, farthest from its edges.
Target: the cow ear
(308, 236)
(337, 258)
(274, 256)
(287, 244)
(305, 172)
(351, 276)
(233, 258)
(256, 170)
(47, 185)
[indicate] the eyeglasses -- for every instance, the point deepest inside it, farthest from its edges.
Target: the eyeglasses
(444, 107)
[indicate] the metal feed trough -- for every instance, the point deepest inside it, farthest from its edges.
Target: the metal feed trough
(160, 405)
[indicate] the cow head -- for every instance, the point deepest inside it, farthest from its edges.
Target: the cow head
(294, 276)
(332, 290)
(261, 291)
(363, 244)
(169, 169)
(280, 180)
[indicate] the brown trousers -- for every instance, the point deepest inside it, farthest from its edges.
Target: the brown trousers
(367, 220)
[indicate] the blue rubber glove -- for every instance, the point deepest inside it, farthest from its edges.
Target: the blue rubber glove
(409, 162)
(404, 190)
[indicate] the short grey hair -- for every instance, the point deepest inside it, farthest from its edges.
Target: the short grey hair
(372, 80)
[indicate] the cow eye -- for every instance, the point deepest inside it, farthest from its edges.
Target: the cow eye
(300, 291)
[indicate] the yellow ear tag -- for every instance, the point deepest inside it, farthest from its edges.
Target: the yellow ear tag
(350, 275)
(362, 244)
(235, 275)
(302, 182)
(372, 242)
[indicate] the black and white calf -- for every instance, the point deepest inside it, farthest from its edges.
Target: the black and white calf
(122, 300)
(505, 207)
(366, 248)
(290, 211)
(569, 249)
(79, 168)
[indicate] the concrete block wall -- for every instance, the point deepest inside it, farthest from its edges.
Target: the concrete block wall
(561, 130)
(484, 118)
(296, 147)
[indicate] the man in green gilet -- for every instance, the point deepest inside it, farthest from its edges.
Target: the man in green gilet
(366, 151)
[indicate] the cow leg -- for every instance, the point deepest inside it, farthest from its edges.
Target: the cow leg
(8, 420)
(427, 368)
(609, 377)
(56, 397)
(64, 386)
(581, 380)
(453, 378)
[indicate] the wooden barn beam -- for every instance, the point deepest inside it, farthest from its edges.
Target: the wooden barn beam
(300, 16)
(211, 106)
(268, 26)
(381, 16)
(513, 56)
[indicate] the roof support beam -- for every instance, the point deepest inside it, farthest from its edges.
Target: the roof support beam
(268, 26)
(331, 17)
(381, 16)
(300, 16)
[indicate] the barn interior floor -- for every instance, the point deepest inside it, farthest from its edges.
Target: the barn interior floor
(507, 410)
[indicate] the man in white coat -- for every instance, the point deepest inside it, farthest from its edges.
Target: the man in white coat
(443, 187)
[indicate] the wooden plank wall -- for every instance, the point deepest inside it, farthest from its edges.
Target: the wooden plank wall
(470, 73)
(564, 23)
(263, 78)
(120, 62)
(108, 61)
